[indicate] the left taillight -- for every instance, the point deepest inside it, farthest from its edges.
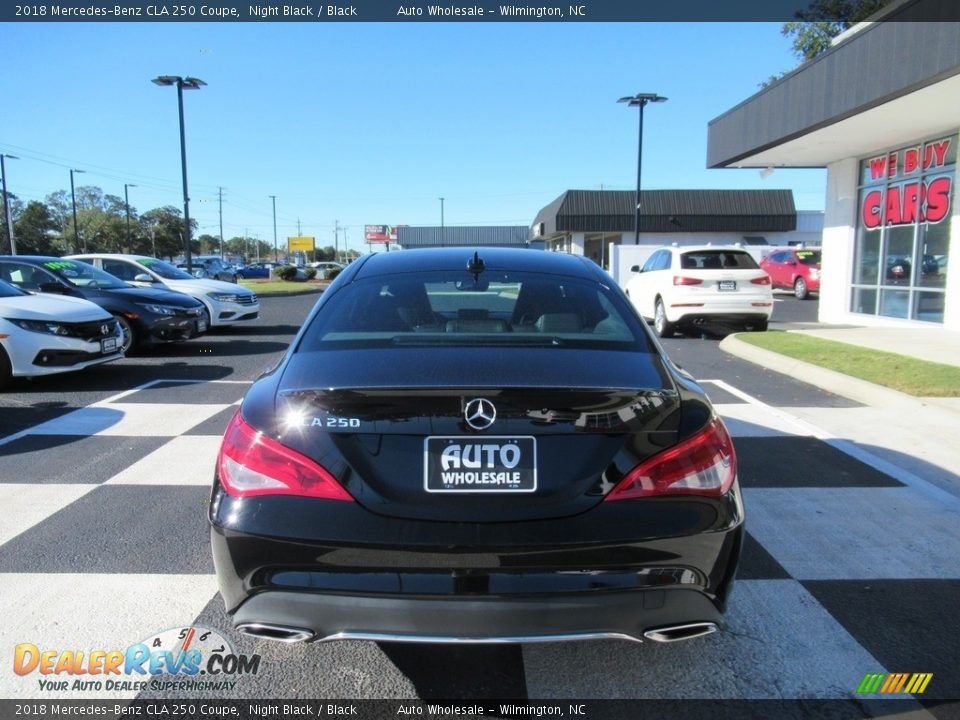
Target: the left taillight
(704, 464)
(762, 280)
(251, 463)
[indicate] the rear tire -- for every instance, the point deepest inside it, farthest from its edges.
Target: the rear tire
(6, 370)
(661, 325)
(800, 289)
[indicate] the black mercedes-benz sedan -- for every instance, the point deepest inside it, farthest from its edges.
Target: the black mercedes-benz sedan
(145, 315)
(475, 446)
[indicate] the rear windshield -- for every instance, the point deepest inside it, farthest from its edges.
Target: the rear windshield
(808, 257)
(497, 309)
(717, 260)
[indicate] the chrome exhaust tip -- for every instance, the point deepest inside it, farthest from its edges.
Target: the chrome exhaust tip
(279, 633)
(674, 633)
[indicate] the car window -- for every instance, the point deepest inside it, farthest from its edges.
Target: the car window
(651, 261)
(808, 257)
(83, 274)
(164, 269)
(663, 262)
(25, 277)
(717, 260)
(119, 268)
(450, 308)
(777, 257)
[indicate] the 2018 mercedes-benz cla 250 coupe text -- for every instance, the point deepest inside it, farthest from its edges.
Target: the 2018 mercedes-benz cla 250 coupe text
(475, 446)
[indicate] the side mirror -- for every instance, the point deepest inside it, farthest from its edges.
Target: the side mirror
(635, 268)
(143, 277)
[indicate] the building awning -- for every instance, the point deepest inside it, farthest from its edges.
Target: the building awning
(468, 236)
(668, 211)
(887, 84)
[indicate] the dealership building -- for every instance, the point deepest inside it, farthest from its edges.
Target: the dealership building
(600, 224)
(880, 111)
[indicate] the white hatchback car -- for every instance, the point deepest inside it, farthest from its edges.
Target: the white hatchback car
(226, 303)
(47, 334)
(701, 288)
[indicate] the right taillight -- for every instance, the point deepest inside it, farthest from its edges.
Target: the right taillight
(684, 280)
(704, 464)
(251, 463)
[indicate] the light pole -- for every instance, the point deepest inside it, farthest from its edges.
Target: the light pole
(275, 251)
(442, 231)
(126, 203)
(73, 197)
(640, 100)
(183, 83)
(6, 203)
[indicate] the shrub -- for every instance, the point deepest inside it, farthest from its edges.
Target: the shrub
(310, 272)
(287, 272)
(333, 272)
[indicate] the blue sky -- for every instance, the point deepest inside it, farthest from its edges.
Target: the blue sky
(371, 123)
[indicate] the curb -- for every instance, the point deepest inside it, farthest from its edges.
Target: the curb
(846, 386)
(290, 293)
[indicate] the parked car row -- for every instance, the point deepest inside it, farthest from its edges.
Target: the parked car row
(62, 314)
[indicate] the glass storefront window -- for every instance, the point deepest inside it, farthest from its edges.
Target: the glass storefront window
(903, 231)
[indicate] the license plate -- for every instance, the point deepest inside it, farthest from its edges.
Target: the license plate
(201, 326)
(480, 464)
(108, 345)
(728, 285)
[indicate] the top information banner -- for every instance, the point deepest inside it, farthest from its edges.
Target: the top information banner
(469, 11)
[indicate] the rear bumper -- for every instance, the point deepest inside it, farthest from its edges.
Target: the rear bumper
(722, 322)
(372, 577)
(623, 615)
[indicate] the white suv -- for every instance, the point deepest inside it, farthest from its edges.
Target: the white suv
(226, 303)
(701, 288)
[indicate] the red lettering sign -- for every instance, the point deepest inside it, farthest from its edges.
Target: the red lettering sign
(907, 203)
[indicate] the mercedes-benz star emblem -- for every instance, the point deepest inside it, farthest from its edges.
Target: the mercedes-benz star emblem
(479, 413)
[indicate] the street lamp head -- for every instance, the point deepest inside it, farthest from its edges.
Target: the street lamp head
(72, 170)
(10, 157)
(186, 83)
(642, 99)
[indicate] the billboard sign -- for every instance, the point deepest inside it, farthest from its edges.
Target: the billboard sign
(301, 244)
(380, 233)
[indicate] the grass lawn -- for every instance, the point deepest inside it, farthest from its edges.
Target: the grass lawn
(273, 287)
(906, 374)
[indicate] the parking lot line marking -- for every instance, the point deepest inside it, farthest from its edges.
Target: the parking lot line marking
(850, 448)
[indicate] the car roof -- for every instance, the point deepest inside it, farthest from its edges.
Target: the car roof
(112, 256)
(701, 248)
(432, 259)
(36, 258)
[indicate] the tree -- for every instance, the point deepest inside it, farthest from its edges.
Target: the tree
(162, 233)
(815, 29)
(209, 245)
(35, 231)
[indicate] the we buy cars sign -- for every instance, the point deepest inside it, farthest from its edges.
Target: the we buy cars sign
(914, 198)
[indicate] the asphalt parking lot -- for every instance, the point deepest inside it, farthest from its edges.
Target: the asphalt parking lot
(850, 566)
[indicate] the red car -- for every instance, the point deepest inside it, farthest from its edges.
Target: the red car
(796, 269)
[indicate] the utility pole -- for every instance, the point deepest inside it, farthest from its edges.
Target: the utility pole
(336, 241)
(126, 202)
(6, 203)
(221, 222)
(276, 254)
